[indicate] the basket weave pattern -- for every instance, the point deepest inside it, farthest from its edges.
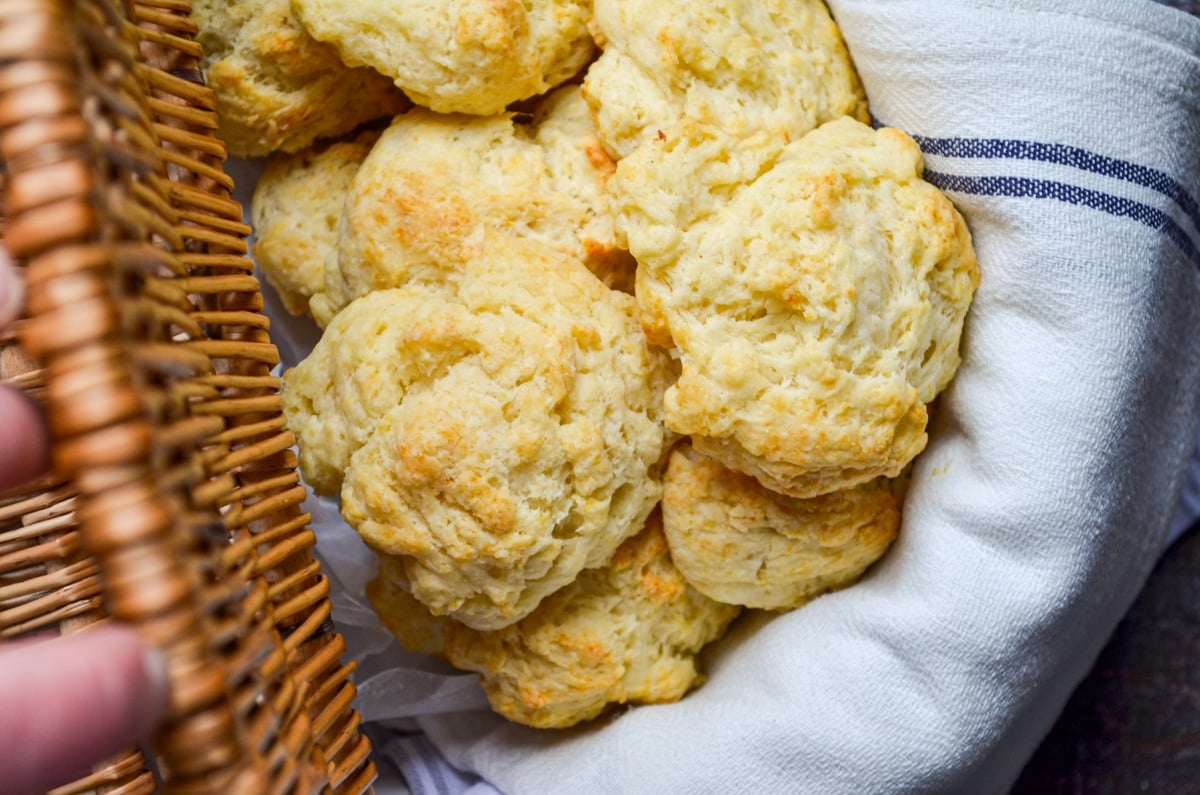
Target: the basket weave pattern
(175, 503)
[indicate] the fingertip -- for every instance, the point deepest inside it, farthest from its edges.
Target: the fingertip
(141, 669)
(73, 701)
(24, 440)
(12, 290)
(158, 699)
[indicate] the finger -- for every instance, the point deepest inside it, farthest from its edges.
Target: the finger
(24, 446)
(68, 703)
(24, 443)
(12, 292)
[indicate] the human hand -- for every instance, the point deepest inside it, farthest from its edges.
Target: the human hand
(65, 703)
(70, 702)
(24, 447)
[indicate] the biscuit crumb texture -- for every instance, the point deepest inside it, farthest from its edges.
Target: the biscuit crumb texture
(815, 294)
(625, 633)
(276, 87)
(296, 210)
(778, 67)
(409, 621)
(437, 188)
(500, 436)
(739, 543)
(462, 56)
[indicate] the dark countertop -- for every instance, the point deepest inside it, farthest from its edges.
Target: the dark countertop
(1133, 725)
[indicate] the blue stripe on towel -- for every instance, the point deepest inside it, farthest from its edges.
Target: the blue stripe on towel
(1061, 154)
(425, 771)
(1025, 187)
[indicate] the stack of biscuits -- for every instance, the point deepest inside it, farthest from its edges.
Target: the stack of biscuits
(630, 321)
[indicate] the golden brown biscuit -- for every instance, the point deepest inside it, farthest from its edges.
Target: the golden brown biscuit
(466, 56)
(815, 295)
(276, 87)
(408, 620)
(625, 633)
(500, 435)
(296, 208)
(740, 66)
(434, 183)
(739, 543)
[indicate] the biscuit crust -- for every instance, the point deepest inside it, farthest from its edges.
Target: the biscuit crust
(739, 543)
(464, 56)
(815, 294)
(409, 621)
(434, 184)
(276, 87)
(501, 435)
(625, 633)
(296, 210)
(740, 66)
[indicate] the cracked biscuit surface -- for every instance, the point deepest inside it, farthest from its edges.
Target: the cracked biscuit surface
(500, 435)
(740, 66)
(276, 87)
(463, 56)
(296, 210)
(624, 633)
(815, 295)
(739, 543)
(436, 187)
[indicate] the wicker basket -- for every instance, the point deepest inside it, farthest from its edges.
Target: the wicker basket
(175, 504)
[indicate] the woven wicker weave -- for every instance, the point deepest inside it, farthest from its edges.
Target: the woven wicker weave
(175, 503)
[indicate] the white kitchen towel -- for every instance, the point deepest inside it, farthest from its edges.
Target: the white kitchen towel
(1068, 133)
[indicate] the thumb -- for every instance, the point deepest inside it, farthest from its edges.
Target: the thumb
(12, 290)
(70, 702)
(24, 446)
